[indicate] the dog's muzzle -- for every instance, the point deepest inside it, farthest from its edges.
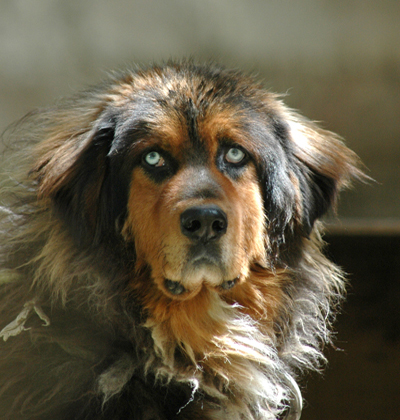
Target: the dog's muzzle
(204, 225)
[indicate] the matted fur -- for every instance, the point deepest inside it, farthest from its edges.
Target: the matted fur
(108, 310)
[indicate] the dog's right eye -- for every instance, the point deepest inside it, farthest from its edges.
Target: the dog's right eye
(158, 165)
(154, 159)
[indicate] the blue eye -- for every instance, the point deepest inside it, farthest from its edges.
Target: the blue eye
(154, 159)
(234, 155)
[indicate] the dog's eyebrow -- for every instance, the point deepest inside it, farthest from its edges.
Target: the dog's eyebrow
(136, 128)
(129, 134)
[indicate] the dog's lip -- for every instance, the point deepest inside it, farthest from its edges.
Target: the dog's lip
(174, 287)
(229, 284)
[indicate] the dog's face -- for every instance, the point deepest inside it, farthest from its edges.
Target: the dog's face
(203, 171)
(195, 206)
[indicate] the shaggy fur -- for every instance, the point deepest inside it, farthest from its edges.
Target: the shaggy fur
(117, 302)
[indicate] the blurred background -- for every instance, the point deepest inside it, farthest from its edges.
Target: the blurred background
(338, 61)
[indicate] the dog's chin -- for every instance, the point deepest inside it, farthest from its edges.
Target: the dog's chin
(200, 273)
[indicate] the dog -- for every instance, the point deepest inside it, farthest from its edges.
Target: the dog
(161, 252)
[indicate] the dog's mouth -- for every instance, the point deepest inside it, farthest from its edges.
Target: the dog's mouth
(177, 289)
(204, 267)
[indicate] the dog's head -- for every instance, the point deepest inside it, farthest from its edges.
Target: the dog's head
(186, 199)
(207, 174)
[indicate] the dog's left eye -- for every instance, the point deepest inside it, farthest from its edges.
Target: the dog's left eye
(154, 159)
(234, 155)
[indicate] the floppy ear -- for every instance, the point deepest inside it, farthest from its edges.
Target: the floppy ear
(77, 174)
(323, 166)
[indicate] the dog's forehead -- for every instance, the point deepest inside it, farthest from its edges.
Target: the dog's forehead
(191, 116)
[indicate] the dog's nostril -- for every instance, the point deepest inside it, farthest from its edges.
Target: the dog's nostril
(174, 287)
(204, 223)
(218, 226)
(192, 225)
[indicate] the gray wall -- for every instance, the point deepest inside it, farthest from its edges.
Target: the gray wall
(338, 60)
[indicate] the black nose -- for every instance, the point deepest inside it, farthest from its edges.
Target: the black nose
(204, 223)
